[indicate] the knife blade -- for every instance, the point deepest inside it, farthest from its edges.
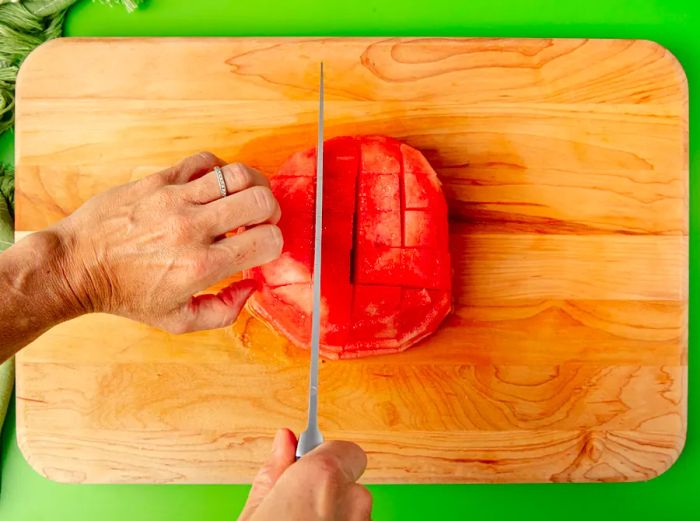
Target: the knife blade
(312, 437)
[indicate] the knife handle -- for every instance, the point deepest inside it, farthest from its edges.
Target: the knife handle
(308, 441)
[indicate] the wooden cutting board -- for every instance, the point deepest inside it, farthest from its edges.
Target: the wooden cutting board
(565, 165)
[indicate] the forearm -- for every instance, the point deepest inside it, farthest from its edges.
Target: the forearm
(34, 290)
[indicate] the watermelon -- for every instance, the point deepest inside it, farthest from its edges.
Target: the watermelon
(386, 277)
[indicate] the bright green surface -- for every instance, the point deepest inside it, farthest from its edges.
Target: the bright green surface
(26, 496)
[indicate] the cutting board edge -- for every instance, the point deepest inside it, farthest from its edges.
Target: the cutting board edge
(652, 464)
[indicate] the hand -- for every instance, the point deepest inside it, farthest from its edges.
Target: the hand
(142, 250)
(321, 486)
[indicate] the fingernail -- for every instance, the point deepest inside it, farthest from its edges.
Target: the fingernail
(278, 442)
(276, 234)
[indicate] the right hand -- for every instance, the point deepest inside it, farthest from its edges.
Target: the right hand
(142, 250)
(321, 486)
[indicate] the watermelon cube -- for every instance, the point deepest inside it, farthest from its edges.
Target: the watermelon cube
(336, 298)
(292, 302)
(375, 312)
(416, 308)
(284, 271)
(415, 195)
(337, 230)
(294, 194)
(377, 264)
(300, 164)
(298, 233)
(379, 155)
(380, 229)
(379, 193)
(418, 268)
(419, 229)
(340, 167)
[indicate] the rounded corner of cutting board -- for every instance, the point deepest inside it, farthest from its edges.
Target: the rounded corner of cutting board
(39, 56)
(659, 467)
(33, 459)
(677, 70)
(22, 434)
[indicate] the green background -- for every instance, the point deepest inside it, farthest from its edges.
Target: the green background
(676, 25)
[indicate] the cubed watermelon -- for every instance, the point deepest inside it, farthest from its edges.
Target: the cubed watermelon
(386, 278)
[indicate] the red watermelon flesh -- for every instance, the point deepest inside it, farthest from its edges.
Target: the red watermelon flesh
(386, 273)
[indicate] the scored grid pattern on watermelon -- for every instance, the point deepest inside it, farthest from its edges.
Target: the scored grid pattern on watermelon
(385, 282)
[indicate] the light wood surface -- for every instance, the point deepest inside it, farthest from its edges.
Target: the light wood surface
(565, 166)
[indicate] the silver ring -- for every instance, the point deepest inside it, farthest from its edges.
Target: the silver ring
(222, 182)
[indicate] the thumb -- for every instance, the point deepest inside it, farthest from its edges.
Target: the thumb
(219, 310)
(283, 455)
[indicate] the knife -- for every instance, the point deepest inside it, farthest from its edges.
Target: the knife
(312, 437)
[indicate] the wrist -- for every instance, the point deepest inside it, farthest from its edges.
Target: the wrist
(36, 289)
(59, 274)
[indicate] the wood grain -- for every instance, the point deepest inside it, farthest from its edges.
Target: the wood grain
(565, 165)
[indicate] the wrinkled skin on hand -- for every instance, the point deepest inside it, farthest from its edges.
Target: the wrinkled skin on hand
(145, 249)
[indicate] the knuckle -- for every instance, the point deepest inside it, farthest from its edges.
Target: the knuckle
(364, 498)
(263, 479)
(180, 226)
(157, 179)
(240, 175)
(327, 476)
(265, 200)
(165, 197)
(327, 468)
(237, 255)
(196, 162)
(205, 156)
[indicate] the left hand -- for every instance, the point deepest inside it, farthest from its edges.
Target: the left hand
(142, 250)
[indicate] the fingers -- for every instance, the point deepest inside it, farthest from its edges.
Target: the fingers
(358, 503)
(239, 252)
(230, 255)
(213, 311)
(321, 485)
(251, 202)
(252, 206)
(283, 455)
(237, 177)
(190, 168)
(344, 457)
